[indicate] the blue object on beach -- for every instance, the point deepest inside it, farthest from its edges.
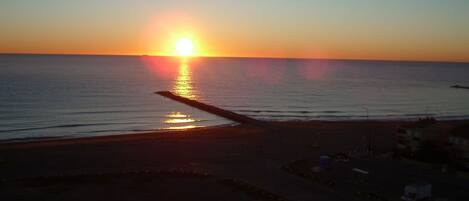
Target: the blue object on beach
(324, 162)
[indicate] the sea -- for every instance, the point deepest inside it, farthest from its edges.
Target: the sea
(68, 96)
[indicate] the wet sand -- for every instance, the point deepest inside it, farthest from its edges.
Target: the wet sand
(243, 152)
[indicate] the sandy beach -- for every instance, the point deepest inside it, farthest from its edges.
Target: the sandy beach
(252, 154)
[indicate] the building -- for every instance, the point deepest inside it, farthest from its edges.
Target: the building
(459, 145)
(420, 136)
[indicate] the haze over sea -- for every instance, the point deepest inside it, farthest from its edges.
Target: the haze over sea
(77, 96)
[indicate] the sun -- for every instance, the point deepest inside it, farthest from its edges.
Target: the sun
(185, 47)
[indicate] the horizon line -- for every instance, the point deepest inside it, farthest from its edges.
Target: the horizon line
(242, 57)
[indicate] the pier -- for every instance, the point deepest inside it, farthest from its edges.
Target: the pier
(210, 109)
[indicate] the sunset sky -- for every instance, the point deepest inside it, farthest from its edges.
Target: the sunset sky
(345, 29)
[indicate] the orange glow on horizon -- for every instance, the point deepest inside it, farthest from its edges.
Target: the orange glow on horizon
(157, 32)
(173, 34)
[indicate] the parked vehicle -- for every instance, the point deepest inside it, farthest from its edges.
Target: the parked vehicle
(417, 192)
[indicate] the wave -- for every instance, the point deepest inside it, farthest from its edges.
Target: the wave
(284, 111)
(287, 117)
(110, 112)
(61, 126)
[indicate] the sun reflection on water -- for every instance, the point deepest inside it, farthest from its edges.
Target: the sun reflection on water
(182, 127)
(182, 86)
(176, 115)
(183, 83)
(178, 120)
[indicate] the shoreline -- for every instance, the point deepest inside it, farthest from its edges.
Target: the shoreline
(156, 131)
(113, 137)
(167, 130)
(162, 133)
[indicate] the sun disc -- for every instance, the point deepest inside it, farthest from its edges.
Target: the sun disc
(184, 47)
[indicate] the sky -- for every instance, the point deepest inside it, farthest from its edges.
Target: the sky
(436, 30)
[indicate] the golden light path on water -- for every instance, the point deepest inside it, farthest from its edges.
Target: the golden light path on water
(183, 83)
(183, 87)
(182, 127)
(178, 120)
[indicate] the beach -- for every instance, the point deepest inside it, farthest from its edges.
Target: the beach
(248, 153)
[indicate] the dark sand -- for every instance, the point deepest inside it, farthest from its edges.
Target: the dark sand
(37, 170)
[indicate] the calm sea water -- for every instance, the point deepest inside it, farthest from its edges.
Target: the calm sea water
(75, 96)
